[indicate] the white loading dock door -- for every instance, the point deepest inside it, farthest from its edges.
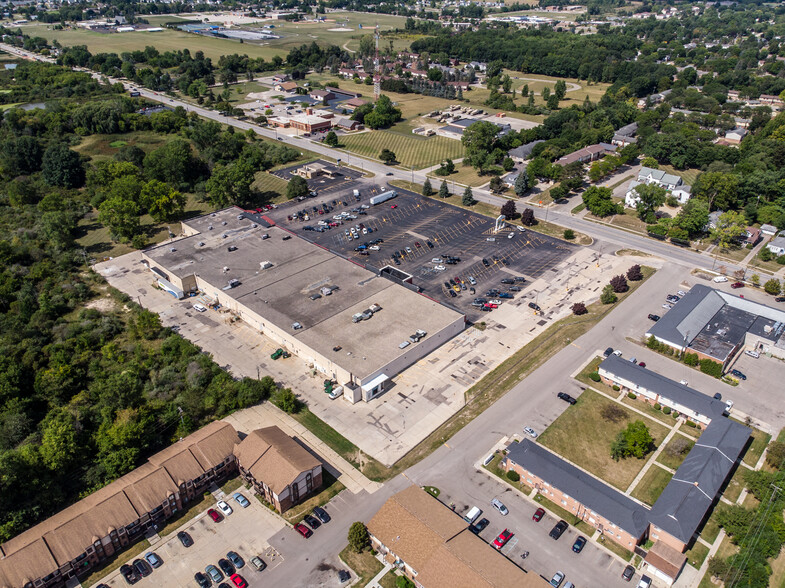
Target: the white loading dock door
(375, 387)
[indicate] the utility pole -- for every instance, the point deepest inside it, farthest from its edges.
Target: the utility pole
(377, 77)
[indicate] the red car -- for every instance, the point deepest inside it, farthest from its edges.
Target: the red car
(538, 514)
(490, 305)
(394, 206)
(737, 285)
(239, 581)
(502, 539)
(215, 515)
(303, 530)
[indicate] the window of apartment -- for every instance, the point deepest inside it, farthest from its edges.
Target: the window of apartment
(529, 480)
(564, 502)
(308, 483)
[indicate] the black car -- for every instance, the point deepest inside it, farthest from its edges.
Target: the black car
(654, 317)
(779, 299)
(142, 568)
(534, 306)
(344, 576)
(485, 262)
(321, 514)
(129, 574)
(452, 293)
(185, 539)
(577, 547)
(608, 352)
(628, 573)
(312, 521)
(477, 527)
(508, 281)
(738, 374)
(566, 397)
(429, 244)
(557, 531)
(202, 580)
(388, 174)
(226, 567)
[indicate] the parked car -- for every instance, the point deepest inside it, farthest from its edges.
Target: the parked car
(608, 352)
(185, 539)
(566, 397)
(737, 285)
(215, 515)
(477, 527)
(226, 566)
(321, 514)
(654, 317)
(241, 500)
(303, 530)
(720, 279)
(530, 432)
(258, 563)
(644, 582)
(751, 353)
(129, 574)
(779, 299)
(239, 581)
(312, 521)
(672, 299)
(535, 306)
(558, 529)
(580, 542)
(236, 560)
(628, 573)
(557, 579)
(202, 580)
(344, 576)
(502, 539)
(214, 573)
(499, 505)
(738, 374)
(224, 508)
(538, 514)
(485, 262)
(153, 559)
(667, 306)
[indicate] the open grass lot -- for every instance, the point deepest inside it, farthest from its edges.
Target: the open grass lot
(726, 550)
(711, 529)
(292, 35)
(100, 147)
(667, 420)
(697, 554)
(625, 554)
(365, 565)
(675, 451)
(688, 175)
(584, 421)
(756, 448)
(410, 150)
(777, 579)
(464, 174)
(652, 484)
(272, 188)
(735, 485)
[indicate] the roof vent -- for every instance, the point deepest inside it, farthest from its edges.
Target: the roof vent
(210, 228)
(254, 225)
(172, 249)
(223, 223)
(201, 243)
(224, 236)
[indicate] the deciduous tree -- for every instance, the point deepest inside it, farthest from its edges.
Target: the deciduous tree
(297, 187)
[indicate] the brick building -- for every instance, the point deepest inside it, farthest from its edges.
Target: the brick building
(279, 469)
(77, 539)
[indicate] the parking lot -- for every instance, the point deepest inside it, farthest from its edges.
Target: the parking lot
(246, 531)
(419, 235)
(323, 184)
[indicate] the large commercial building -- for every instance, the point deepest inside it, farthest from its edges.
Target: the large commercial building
(716, 325)
(349, 323)
(434, 547)
(77, 539)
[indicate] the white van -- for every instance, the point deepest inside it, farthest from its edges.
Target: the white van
(472, 515)
(200, 308)
(720, 279)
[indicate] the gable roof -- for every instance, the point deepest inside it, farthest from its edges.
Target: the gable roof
(596, 495)
(683, 504)
(659, 176)
(524, 151)
(666, 559)
(628, 130)
(436, 543)
(646, 379)
(685, 320)
(273, 457)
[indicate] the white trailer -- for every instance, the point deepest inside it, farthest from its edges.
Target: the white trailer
(383, 197)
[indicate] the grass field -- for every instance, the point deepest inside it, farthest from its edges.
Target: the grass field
(100, 147)
(697, 554)
(688, 175)
(292, 35)
(464, 174)
(652, 484)
(365, 565)
(272, 188)
(584, 421)
(410, 150)
(670, 456)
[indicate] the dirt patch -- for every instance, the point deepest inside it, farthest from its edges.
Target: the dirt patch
(102, 304)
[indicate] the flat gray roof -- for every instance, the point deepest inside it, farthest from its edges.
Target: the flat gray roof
(594, 494)
(281, 293)
(650, 380)
(683, 504)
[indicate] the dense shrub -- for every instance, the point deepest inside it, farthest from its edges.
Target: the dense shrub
(594, 377)
(569, 234)
(691, 359)
(616, 388)
(513, 476)
(711, 367)
(657, 406)
(666, 409)
(634, 274)
(691, 423)
(579, 308)
(632, 395)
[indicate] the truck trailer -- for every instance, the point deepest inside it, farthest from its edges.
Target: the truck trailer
(383, 197)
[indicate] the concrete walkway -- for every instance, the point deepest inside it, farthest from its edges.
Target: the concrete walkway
(374, 583)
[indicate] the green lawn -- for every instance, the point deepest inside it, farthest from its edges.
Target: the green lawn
(711, 529)
(642, 406)
(623, 553)
(365, 565)
(494, 468)
(464, 174)
(688, 175)
(697, 554)
(735, 485)
(331, 487)
(652, 484)
(675, 451)
(272, 188)
(758, 445)
(410, 150)
(563, 513)
(99, 147)
(588, 422)
(114, 562)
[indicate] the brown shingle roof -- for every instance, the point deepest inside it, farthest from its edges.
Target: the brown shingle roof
(437, 544)
(149, 487)
(274, 458)
(202, 450)
(25, 566)
(666, 559)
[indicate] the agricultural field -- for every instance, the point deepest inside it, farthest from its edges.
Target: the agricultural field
(292, 35)
(410, 150)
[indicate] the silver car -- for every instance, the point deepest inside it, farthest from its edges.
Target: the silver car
(214, 574)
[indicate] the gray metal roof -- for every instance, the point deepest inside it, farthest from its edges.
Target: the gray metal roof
(682, 506)
(523, 151)
(591, 492)
(628, 130)
(686, 319)
(665, 387)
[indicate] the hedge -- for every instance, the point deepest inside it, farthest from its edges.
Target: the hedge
(631, 395)
(711, 367)
(657, 406)
(513, 476)
(616, 388)
(666, 410)
(594, 377)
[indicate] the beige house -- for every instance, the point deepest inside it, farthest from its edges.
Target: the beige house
(279, 469)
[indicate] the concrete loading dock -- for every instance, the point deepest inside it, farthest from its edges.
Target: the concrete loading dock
(221, 257)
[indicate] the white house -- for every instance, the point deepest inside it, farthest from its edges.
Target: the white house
(682, 193)
(736, 135)
(632, 198)
(659, 177)
(776, 246)
(770, 230)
